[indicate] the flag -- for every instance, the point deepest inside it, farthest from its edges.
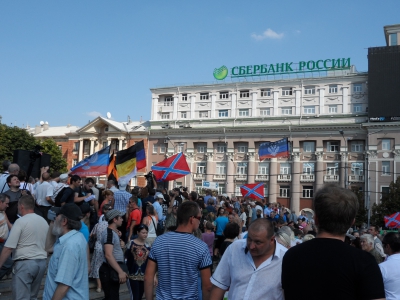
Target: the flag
(112, 173)
(130, 160)
(171, 168)
(253, 190)
(93, 165)
(274, 149)
(393, 221)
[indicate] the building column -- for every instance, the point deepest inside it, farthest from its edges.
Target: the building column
(80, 156)
(343, 156)
(91, 150)
(192, 106)
(254, 103)
(276, 103)
(230, 170)
(319, 173)
(252, 167)
(175, 111)
(189, 178)
(210, 166)
(345, 95)
(297, 93)
(321, 101)
(120, 144)
(273, 188)
(295, 195)
(154, 110)
(233, 105)
(108, 141)
(213, 99)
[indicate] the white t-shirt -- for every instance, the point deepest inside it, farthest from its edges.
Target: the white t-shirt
(44, 190)
(243, 217)
(28, 237)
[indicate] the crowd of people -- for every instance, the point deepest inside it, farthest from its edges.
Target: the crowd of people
(178, 244)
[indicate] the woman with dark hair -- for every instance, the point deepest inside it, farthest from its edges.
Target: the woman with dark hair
(136, 255)
(220, 211)
(108, 197)
(150, 221)
(231, 231)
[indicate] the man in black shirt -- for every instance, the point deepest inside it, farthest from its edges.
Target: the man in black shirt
(335, 269)
(68, 195)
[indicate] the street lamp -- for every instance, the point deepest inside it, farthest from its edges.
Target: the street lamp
(345, 160)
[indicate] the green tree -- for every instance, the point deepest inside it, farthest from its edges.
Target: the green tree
(361, 216)
(13, 138)
(390, 204)
(57, 162)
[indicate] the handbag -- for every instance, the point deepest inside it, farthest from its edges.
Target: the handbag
(114, 274)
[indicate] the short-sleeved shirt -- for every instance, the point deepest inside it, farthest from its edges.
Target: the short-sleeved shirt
(85, 231)
(110, 237)
(68, 265)
(221, 222)
(121, 200)
(68, 196)
(348, 272)
(28, 237)
(390, 270)
(45, 189)
(179, 257)
(135, 215)
(238, 273)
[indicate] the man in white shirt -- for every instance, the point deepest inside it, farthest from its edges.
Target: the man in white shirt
(44, 192)
(251, 269)
(374, 231)
(390, 268)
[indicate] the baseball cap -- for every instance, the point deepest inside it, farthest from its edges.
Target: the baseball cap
(113, 213)
(69, 210)
(159, 195)
(64, 176)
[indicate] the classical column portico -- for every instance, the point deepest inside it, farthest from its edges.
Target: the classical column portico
(80, 156)
(230, 189)
(295, 197)
(252, 167)
(91, 150)
(210, 166)
(319, 173)
(273, 180)
(343, 166)
(108, 141)
(120, 144)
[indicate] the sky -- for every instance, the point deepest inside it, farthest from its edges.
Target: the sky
(67, 62)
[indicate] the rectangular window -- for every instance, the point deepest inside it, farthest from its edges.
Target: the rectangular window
(385, 190)
(242, 168)
(357, 169)
(164, 116)
(184, 97)
(308, 168)
(285, 168)
(243, 112)
(308, 191)
(162, 148)
(155, 148)
(386, 144)
(286, 111)
(204, 96)
(357, 146)
(332, 168)
(221, 148)
(333, 146)
(357, 108)
(263, 168)
(201, 168)
(386, 168)
(332, 109)
(265, 111)
(76, 146)
(183, 115)
(59, 147)
(74, 162)
(309, 90)
(221, 188)
(168, 101)
(357, 87)
(393, 39)
(333, 89)
(284, 191)
(309, 110)
(199, 188)
(242, 149)
(221, 168)
(223, 113)
(244, 94)
(201, 148)
(224, 95)
(287, 92)
(266, 93)
(203, 114)
(309, 146)
(181, 147)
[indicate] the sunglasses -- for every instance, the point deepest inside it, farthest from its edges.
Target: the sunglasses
(142, 226)
(196, 217)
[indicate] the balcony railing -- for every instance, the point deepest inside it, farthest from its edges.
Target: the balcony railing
(307, 177)
(284, 177)
(220, 177)
(331, 178)
(199, 176)
(356, 178)
(241, 177)
(262, 177)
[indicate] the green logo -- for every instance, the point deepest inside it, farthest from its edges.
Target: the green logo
(220, 73)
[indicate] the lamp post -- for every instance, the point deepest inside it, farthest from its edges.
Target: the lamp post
(345, 159)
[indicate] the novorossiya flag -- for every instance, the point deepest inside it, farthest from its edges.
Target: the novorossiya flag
(253, 190)
(274, 149)
(93, 165)
(171, 168)
(130, 160)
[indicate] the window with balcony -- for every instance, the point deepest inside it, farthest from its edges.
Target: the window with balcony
(333, 89)
(265, 111)
(332, 109)
(285, 168)
(333, 146)
(184, 97)
(357, 146)
(357, 169)
(266, 93)
(357, 108)
(224, 95)
(386, 144)
(243, 112)
(221, 148)
(263, 168)
(223, 113)
(245, 94)
(203, 114)
(181, 147)
(286, 110)
(287, 91)
(308, 168)
(201, 148)
(201, 168)
(284, 191)
(309, 110)
(309, 147)
(242, 168)
(242, 149)
(332, 168)
(309, 90)
(183, 115)
(164, 116)
(221, 188)
(220, 168)
(385, 167)
(204, 96)
(308, 191)
(357, 88)
(155, 148)
(168, 101)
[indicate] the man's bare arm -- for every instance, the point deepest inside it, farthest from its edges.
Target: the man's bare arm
(151, 270)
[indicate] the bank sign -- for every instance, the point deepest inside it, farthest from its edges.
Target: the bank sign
(283, 68)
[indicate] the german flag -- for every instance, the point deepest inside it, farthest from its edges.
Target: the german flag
(130, 160)
(112, 170)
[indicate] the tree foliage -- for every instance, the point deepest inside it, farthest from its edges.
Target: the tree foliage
(361, 216)
(390, 204)
(57, 162)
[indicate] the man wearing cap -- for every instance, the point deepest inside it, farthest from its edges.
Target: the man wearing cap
(67, 274)
(158, 207)
(27, 243)
(60, 186)
(121, 201)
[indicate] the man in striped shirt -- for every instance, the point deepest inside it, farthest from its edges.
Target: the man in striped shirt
(178, 257)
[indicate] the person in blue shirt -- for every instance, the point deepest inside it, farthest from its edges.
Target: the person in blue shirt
(85, 209)
(220, 222)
